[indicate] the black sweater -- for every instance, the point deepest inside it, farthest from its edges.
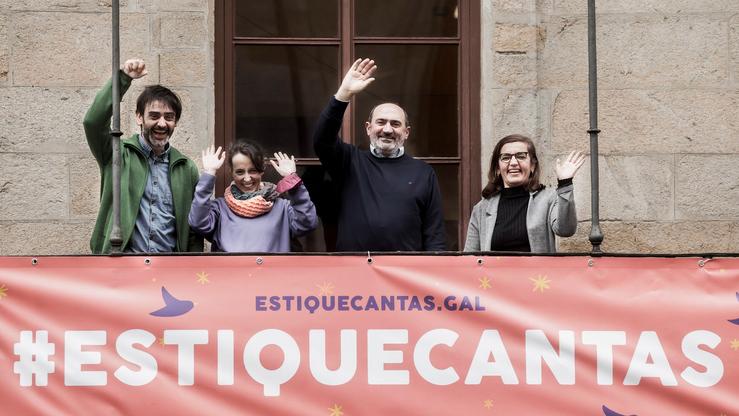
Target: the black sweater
(510, 232)
(387, 204)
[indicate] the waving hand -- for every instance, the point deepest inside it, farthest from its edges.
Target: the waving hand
(569, 167)
(212, 159)
(356, 79)
(285, 164)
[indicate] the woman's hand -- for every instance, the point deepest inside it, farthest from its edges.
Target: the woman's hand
(285, 164)
(212, 159)
(569, 167)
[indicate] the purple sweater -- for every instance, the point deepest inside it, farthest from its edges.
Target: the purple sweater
(268, 233)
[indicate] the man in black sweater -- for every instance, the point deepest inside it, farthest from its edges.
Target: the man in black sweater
(389, 201)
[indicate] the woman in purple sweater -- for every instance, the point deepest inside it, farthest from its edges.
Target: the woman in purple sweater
(252, 216)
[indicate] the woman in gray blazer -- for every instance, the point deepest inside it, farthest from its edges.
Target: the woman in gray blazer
(517, 213)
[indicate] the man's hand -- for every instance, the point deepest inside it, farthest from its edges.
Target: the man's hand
(569, 167)
(285, 164)
(212, 159)
(356, 79)
(135, 68)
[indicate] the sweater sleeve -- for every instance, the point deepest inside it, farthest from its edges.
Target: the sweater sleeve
(301, 211)
(97, 120)
(562, 214)
(333, 153)
(472, 243)
(204, 214)
(433, 219)
(289, 182)
(194, 240)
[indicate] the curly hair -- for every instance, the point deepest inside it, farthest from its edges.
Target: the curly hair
(247, 148)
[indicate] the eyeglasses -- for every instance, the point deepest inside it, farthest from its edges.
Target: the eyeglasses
(520, 156)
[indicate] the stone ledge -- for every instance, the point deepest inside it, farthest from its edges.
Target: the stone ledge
(659, 237)
(45, 238)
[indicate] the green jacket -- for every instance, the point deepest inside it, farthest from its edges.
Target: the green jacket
(183, 176)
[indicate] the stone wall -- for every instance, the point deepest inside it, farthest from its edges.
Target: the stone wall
(669, 146)
(54, 55)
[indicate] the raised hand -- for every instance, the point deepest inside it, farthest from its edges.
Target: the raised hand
(135, 68)
(356, 79)
(569, 167)
(212, 159)
(285, 164)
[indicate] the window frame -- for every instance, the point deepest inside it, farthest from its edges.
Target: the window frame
(468, 89)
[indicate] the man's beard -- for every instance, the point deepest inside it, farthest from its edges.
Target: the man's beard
(387, 148)
(148, 134)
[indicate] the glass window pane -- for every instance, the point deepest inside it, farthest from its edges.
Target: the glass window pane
(423, 80)
(279, 93)
(448, 176)
(406, 18)
(287, 18)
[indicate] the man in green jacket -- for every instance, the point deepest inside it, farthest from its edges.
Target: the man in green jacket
(157, 181)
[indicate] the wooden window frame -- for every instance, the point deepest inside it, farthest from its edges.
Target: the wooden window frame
(468, 89)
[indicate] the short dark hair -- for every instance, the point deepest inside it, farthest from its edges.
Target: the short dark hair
(405, 113)
(495, 181)
(249, 149)
(159, 93)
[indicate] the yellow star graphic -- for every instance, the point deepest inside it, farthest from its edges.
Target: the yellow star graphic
(484, 283)
(202, 278)
(540, 283)
(336, 410)
(488, 404)
(3, 291)
(735, 344)
(327, 288)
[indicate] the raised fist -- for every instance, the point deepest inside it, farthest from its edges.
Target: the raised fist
(135, 68)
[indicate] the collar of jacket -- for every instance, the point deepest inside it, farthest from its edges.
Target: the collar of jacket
(175, 157)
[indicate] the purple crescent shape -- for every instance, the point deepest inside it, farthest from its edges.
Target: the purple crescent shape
(735, 321)
(172, 306)
(609, 412)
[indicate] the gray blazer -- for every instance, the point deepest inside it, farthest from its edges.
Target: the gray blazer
(551, 211)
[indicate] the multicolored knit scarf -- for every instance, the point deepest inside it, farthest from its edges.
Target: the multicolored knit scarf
(251, 204)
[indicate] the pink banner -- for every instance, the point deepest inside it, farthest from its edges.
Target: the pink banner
(344, 336)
